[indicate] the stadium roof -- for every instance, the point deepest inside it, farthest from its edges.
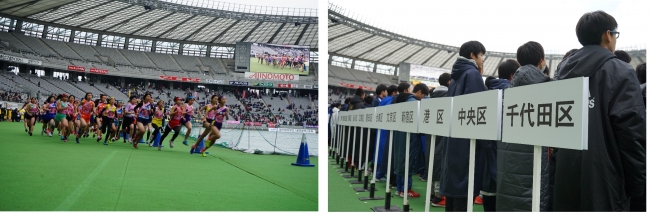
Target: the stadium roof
(207, 23)
(355, 39)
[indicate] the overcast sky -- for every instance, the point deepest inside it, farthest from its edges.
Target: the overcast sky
(500, 25)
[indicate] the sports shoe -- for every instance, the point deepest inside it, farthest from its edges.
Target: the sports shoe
(135, 145)
(49, 134)
(192, 149)
(62, 137)
(381, 180)
(159, 146)
(423, 178)
(105, 143)
(203, 153)
(65, 139)
(30, 134)
(25, 129)
(99, 139)
(413, 194)
(150, 144)
(438, 202)
(185, 143)
(171, 144)
(400, 194)
(478, 200)
(77, 140)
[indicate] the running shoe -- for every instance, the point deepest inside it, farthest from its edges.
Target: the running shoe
(65, 140)
(192, 149)
(30, 134)
(62, 137)
(203, 152)
(49, 134)
(171, 144)
(185, 143)
(99, 139)
(105, 143)
(478, 200)
(438, 202)
(150, 144)
(25, 129)
(135, 145)
(159, 146)
(77, 140)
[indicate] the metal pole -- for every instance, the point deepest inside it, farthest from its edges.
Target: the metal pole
(406, 172)
(429, 182)
(470, 180)
(275, 144)
(365, 181)
(390, 154)
(354, 138)
(537, 175)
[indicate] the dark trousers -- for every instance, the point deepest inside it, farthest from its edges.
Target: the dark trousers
(489, 203)
(456, 205)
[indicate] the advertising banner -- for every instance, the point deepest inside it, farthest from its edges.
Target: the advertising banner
(20, 60)
(238, 83)
(98, 71)
(214, 81)
(76, 68)
(271, 77)
(180, 79)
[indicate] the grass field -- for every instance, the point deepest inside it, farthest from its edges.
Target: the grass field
(343, 198)
(257, 67)
(42, 174)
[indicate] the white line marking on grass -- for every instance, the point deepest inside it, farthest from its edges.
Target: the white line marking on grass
(72, 198)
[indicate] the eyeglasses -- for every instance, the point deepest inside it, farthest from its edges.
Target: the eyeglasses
(615, 32)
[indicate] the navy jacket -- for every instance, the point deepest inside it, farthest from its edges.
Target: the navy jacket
(465, 79)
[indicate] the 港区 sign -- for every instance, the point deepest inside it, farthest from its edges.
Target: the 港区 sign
(287, 86)
(76, 68)
(553, 114)
(271, 76)
(98, 71)
(238, 83)
(477, 115)
(180, 79)
(435, 116)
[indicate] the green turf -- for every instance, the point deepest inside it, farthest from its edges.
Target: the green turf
(255, 66)
(42, 173)
(342, 198)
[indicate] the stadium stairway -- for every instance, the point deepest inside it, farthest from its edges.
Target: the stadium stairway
(65, 86)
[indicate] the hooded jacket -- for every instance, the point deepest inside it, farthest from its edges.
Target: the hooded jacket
(514, 175)
(465, 79)
(613, 169)
(499, 84)
(356, 102)
(416, 157)
(440, 91)
(383, 142)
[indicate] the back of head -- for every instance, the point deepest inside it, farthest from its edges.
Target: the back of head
(640, 72)
(392, 90)
(380, 88)
(368, 100)
(592, 25)
(403, 87)
(530, 53)
(422, 88)
(347, 100)
(359, 92)
(508, 68)
(444, 79)
(470, 47)
(623, 56)
(568, 53)
(487, 81)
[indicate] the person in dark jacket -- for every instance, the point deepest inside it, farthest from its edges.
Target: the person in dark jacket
(346, 104)
(416, 156)
(437, 200)
(381, 92)
(356, 101)
(611, 174)
(640, 74)
(515, 161)
(383, 139)
(465, 79)
(623, 56)
(506, 71)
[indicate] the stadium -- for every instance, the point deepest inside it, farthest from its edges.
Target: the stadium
(168, 49)
(363, 56)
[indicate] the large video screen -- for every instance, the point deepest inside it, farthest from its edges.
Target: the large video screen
(279, 59)
(426, 75)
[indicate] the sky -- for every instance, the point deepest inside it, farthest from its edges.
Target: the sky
(501, 25)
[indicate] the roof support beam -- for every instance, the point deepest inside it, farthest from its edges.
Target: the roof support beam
(372, 49)
(277, 32)
(339, 36)
(431, 57)
(301, 34)
(151, 24)
(226, 30)
(175, 26)
(354, 43)
(201, 28)
(21, 5)
(126, 20)
(393, 52)
(418, 51)
(104, 16)
(81, 11)
(251, 31)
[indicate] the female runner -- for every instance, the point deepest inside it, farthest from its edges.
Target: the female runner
(129, 119)
(175, 123)
(87, 107)
(48, 118)
(208, 114)
(70, 114)
(159, 113)
(108, 116)
(31, 114)
(60, 119)
(187, 119)
(215, 128)
(143, 109)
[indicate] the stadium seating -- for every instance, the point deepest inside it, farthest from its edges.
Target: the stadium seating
(62, 49)
(187, 63)
(35, 44)
(113, 54)
(85, 51)
(163, 61)
(137, 58)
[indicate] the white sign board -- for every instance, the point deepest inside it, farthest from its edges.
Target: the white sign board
(435, 116)
(398, 117)
(365, 118)
(345, 118)
(477, 115)
(549, 114)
